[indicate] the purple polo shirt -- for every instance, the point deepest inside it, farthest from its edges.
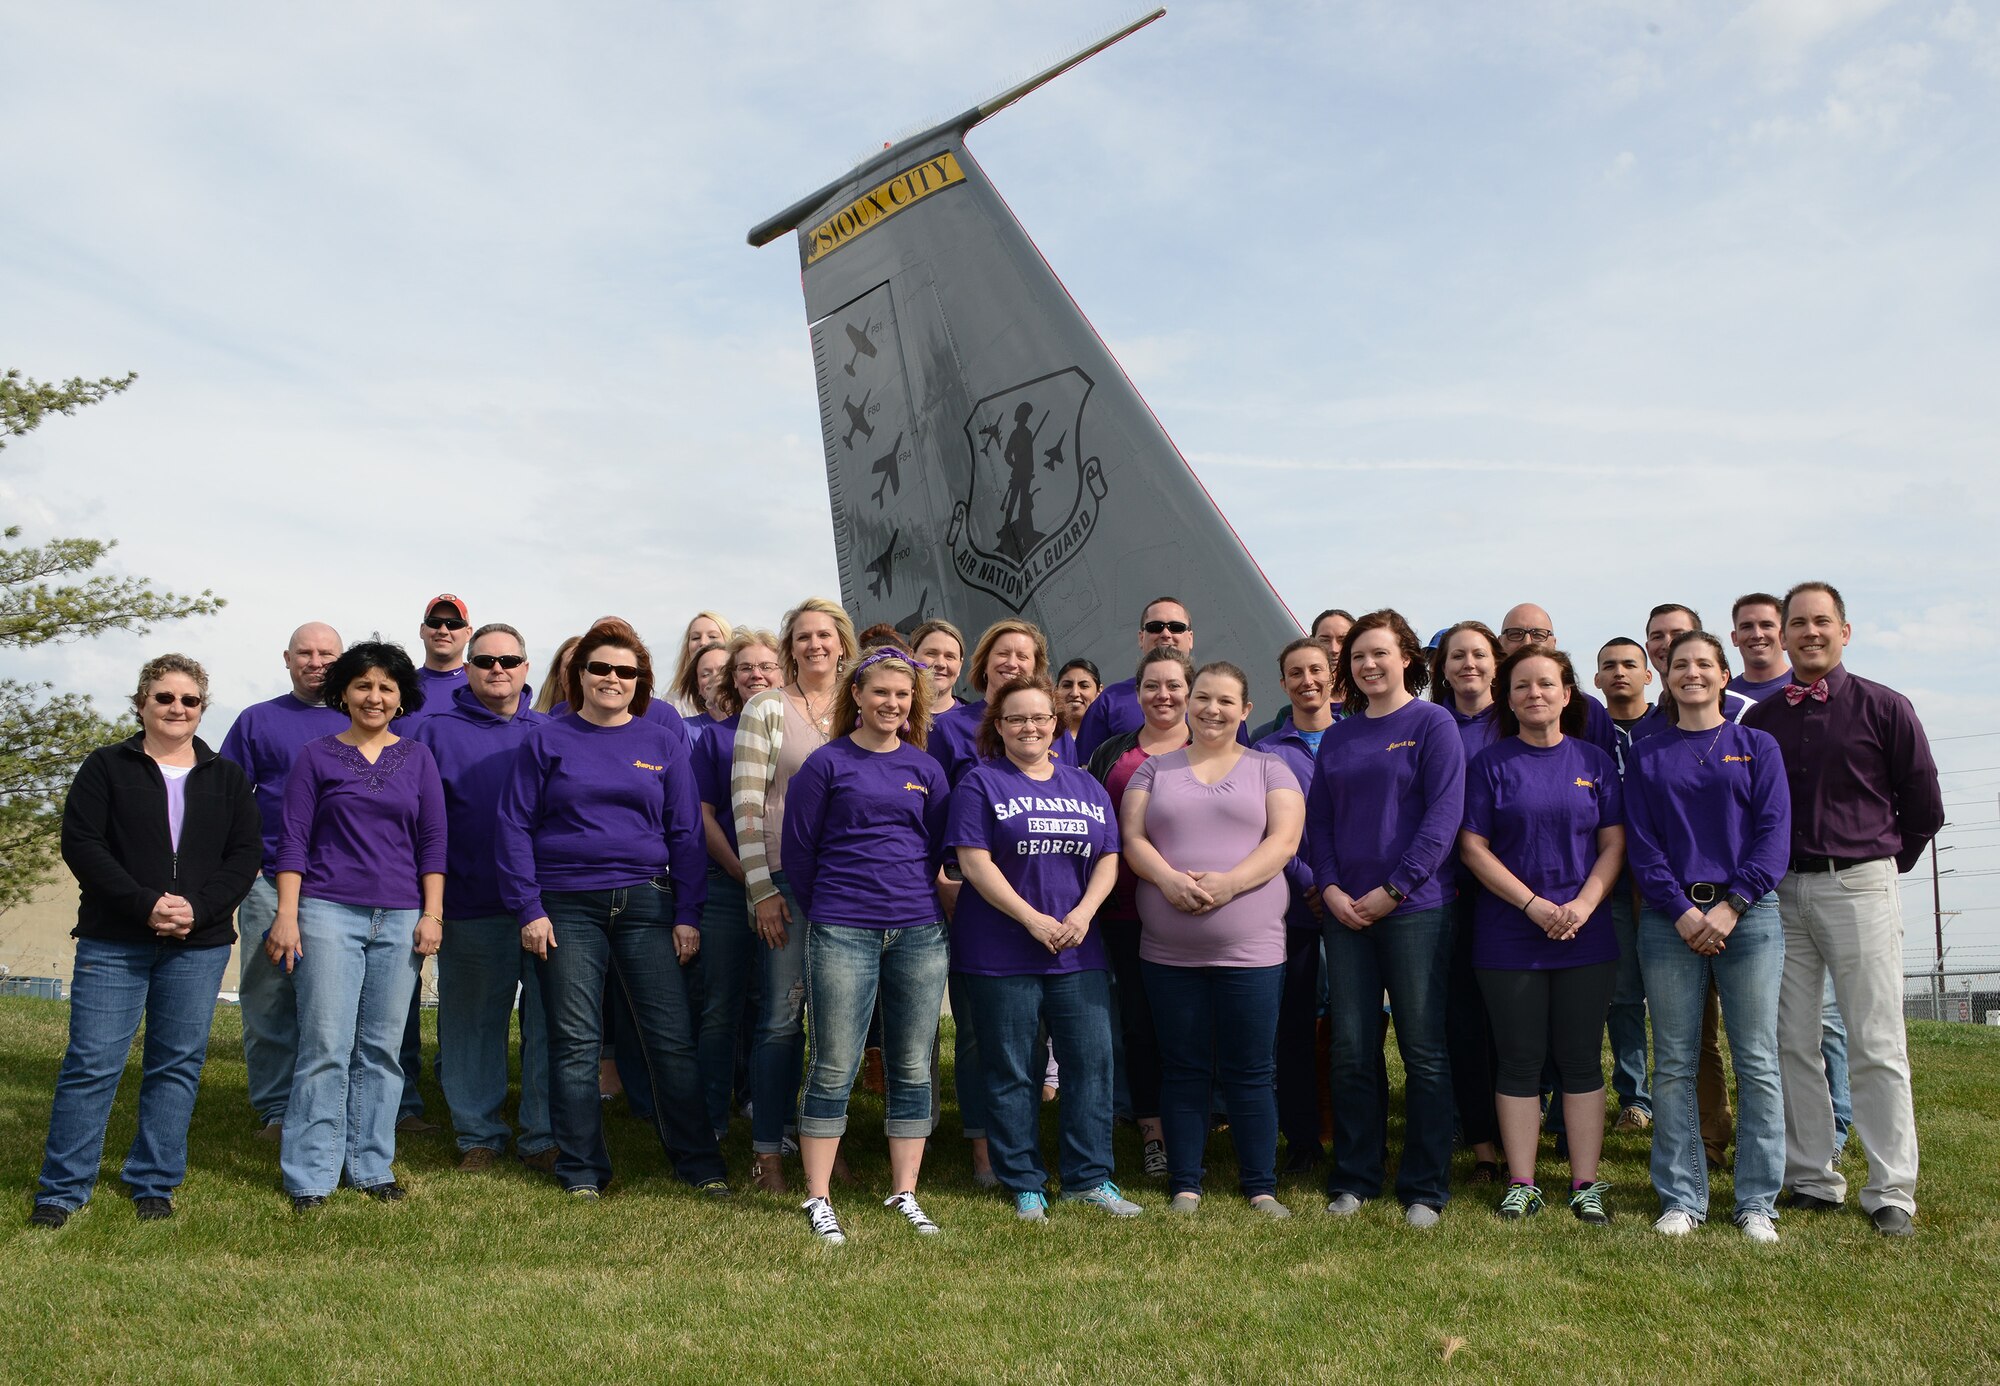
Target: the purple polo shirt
(1860, 770)
(1706, 806)
(362, 834)
(1387, 798)
(864, 835)
(1540, 809)
(263, 741)
(1046, 837)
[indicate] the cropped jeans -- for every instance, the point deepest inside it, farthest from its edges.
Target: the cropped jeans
(353, 983)
(115, 984)
(847, 969)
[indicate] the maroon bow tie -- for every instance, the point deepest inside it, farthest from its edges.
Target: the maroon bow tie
(1796, 693)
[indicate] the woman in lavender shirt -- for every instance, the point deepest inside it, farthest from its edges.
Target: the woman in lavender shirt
(361, 857)
(1711, 816)
(1208, 831)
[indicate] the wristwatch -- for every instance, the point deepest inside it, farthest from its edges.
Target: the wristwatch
(1738, 903)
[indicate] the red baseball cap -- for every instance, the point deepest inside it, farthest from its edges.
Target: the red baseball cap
(447, 599)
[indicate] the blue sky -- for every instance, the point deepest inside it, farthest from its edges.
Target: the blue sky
(1448, 305)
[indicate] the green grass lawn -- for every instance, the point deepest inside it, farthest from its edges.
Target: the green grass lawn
(498, 1277)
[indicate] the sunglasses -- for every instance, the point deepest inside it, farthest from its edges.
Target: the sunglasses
(189, 700)
(443, 623)
(599, 669)
(1166, 627)
(504, 661)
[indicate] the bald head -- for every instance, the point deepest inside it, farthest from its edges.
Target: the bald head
(1526, 624)
(314, 646)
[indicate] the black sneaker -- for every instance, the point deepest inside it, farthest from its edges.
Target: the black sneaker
(391, 1192)
(717, 1190)
(154, 1209)
(1892, 1222)
(1591, 1205)
(1809, 1203)
(305, 1203)
(1154, 1160)
(50, 1215)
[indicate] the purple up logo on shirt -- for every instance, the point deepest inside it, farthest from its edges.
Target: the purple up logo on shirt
(1031, 495)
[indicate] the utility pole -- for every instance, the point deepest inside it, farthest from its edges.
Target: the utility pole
(1937, 916)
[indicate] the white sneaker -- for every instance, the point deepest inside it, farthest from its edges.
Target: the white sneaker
(1759, 1228)
(825, 1225)
(906, 1204)
(1674, 1223)
(1344, 1205)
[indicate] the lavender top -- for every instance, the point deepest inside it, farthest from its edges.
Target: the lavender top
(263, 741)
(1211, 827)
(1859, 765)
(177, 799)
(475, 750)
(1725, 818)
(599, 808)
(1046, 837)
(1540, 809)
(362, 834)
(864, 836)
(1387, 799)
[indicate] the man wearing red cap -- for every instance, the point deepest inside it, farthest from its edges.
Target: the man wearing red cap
(444, 634)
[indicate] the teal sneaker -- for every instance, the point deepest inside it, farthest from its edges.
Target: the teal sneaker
(1521, 1201)
(1107, 1197)
(1031, 1207)
(1591, 1205)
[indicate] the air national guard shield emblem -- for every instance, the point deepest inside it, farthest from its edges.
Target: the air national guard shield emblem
(1032, 494)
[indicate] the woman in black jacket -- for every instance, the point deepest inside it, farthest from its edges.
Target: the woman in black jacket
(164, 839)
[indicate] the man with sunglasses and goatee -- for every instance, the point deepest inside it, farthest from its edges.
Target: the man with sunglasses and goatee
(445, 634)
(481, 963)
(1165, 621)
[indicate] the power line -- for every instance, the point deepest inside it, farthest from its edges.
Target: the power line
(1966, 736)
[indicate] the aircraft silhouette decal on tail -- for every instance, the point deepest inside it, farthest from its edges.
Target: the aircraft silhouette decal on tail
(1028, 478)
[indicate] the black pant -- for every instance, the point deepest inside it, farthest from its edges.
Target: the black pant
(1468, 1032)
(1556, 1014)
(1298, 1070)
(1135, 1017)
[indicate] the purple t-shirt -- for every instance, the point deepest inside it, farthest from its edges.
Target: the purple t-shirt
(599, 808)
(714, 748)
(1211, 827)
(263, 740)
(1725, 818)
(1386, 804)
(438, 686)
(1046, 837)
(864, 835)
(954, 742)
(1539, 808)
(363, 834)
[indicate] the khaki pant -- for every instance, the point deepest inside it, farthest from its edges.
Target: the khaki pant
(1711, 1088)
(1851, 924)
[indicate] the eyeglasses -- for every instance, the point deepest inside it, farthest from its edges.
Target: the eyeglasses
(443, 623)
(769, 666)
(1533, 634)
(1021, 721)
(504, 661)
(1166, 627)
(599, 669)
(189, 700)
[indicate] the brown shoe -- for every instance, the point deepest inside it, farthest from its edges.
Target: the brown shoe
(271, 1132)
(542, 1160)
(871, 1071)
(478, 1158)
(414, 1125)
(767, 1172)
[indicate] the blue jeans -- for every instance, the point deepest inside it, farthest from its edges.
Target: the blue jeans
(968, 1062)
(481, 965)
(1010, 1013)
(270, 1010)
(634, 926)
(845, 971)
(1626, 1021)
(1833, 1053)
(1746, 973)
(116, 983)
(728, 951)
(1216, 1027)
(780, 1051)
(1410, 956)
(353, 985)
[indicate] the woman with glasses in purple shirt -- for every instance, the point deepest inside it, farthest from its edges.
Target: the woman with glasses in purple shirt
(1544, 834)
(864, 833)
(361, 862)
(1711, 815)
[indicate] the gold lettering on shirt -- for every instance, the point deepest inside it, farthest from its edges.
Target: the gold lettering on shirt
(1399, 745)
(912, 784)
(1737, 759)
(643, 766)
(1582, 783)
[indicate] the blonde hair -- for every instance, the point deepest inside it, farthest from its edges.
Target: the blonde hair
(684, 662)
(976, 668)
(885, 659)
(551, 691)
(745, 638)
(843, 626)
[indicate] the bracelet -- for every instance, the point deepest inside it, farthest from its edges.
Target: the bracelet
(1531, 900)
(428, 915)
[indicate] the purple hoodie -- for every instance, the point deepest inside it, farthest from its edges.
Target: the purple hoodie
(475, 750)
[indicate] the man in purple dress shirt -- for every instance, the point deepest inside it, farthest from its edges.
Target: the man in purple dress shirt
(262, 741)
(1865, 804)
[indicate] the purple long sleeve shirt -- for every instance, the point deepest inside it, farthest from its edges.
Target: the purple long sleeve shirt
(263, 741)
(600, 808)
(1387, 798)
(474, 750)
(1725, 818)
(864, 835)
(714, 748)
(1859, 765)
(362, 834)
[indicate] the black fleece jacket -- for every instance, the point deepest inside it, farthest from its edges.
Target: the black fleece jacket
(115, 838)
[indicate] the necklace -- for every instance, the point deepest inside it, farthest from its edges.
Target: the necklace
(822, 720)
(1701, 757)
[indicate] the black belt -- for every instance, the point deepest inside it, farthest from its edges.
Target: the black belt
(1706, 892)
(1803, 863)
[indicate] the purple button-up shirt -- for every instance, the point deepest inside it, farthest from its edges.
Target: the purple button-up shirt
(1859, 765)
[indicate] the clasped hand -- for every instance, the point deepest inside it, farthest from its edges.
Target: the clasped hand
(1706, 933)
(172, 917)
(1559, 922)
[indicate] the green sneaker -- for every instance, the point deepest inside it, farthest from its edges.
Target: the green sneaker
(1521, 1201)
(1590, 1205)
